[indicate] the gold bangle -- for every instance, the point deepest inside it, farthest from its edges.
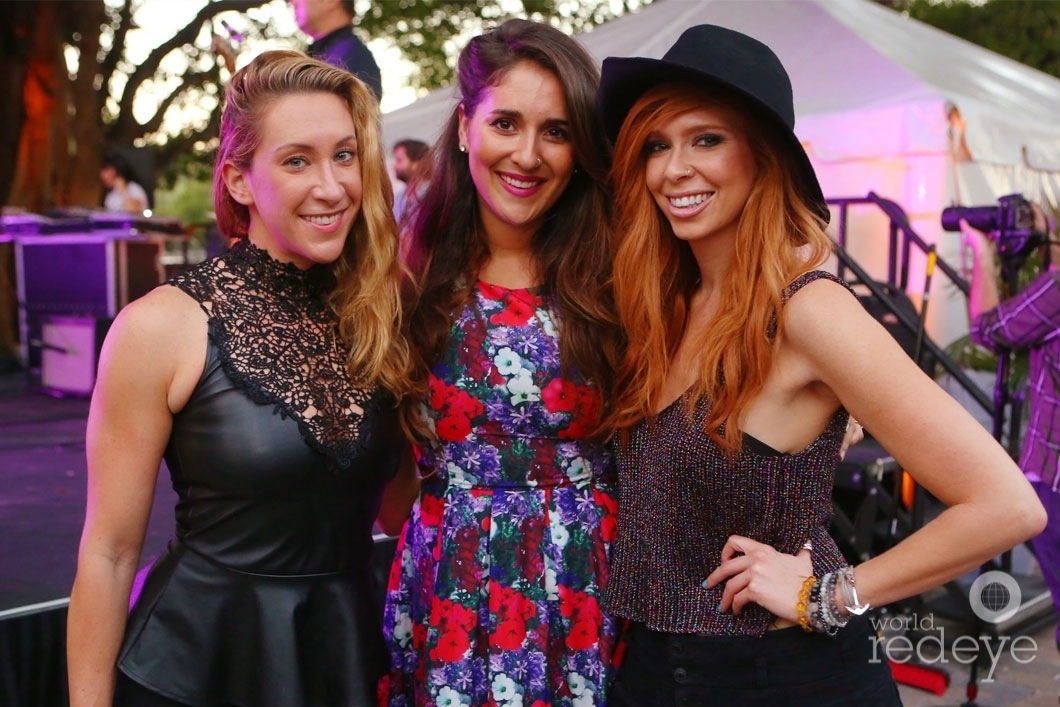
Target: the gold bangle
(803, 604)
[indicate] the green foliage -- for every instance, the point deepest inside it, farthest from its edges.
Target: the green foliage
(188, 199)
(1025, 30)
(431, 33)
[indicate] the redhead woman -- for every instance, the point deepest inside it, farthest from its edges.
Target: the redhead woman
(744, 361)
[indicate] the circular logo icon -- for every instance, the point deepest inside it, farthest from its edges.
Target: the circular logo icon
(994, 596)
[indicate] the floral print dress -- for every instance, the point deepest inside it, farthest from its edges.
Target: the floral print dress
(495, 592)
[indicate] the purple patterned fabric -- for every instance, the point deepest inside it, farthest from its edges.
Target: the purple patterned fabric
(494, 595)
(1031, 320)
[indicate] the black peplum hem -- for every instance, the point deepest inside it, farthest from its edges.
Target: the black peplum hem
(204, 635)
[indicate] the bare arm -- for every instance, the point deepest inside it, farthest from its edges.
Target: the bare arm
(129, 423)
(850, 359)
(983, 294)
(990, 505)
(400, 494)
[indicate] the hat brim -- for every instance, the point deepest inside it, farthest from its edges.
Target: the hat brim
(623, 80)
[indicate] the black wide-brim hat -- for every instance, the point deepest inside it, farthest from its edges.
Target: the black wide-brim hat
(711, 55)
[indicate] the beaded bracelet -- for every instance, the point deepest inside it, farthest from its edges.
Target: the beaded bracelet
(802, 606)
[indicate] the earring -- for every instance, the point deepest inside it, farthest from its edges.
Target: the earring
(463, 148)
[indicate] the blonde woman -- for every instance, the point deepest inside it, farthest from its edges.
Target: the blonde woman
(267, 378)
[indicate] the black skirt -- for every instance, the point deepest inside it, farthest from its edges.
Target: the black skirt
(785, 667)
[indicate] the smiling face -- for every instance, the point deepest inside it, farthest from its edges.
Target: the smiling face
(519, 150)
(303, 186)
(700, 170)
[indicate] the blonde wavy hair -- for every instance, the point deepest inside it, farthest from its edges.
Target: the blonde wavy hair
(778, 238)
(368, 272)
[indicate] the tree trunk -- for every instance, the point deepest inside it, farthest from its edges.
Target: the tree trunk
(44, 95)
(16, 33)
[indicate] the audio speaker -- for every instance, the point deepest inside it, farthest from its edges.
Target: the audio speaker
(70, 354)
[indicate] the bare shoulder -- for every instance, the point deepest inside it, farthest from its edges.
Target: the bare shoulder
(160, 337)
(825, 308)
(161, 316)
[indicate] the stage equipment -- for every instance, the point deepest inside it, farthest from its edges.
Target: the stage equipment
(70, 354)
(1010, 225)
(90, 276)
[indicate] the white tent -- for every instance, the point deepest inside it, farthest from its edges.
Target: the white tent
(874, 92)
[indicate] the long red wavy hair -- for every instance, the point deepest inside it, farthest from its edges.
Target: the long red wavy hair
(778, 238)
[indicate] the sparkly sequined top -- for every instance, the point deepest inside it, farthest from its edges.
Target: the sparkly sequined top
(681, 497)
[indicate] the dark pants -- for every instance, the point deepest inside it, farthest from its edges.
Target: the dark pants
(787, 667)
(1047, 545)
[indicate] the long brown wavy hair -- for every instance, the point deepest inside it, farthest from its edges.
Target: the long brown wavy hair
(778, 238)
(573, 248)
(368, 273)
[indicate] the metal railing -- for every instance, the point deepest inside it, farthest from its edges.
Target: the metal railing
(902, 241)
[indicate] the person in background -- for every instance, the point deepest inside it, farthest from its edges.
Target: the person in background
(124, 193)
(407, 155)
(268, 380)
(495, 592)
(742, 364)
(330, 24)
(1029, 320)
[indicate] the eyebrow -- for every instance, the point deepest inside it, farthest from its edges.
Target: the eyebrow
(305, 146)
(509, 113)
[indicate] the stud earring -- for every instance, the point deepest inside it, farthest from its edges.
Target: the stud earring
(463, 148)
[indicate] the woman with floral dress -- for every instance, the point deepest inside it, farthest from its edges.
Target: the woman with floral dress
(495, 592)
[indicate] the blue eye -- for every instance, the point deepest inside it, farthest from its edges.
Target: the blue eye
(653, 147)
(709, 140)
(296, 162)
(347, 155)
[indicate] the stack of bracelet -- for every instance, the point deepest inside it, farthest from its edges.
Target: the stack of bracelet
(817, 608)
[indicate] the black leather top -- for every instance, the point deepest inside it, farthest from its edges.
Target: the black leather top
(265, 597)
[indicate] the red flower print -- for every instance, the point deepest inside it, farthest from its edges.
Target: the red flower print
(452, 645)
(458, 617)
(463, 403)
(582, 636)
(517, 313)
(439, 392)
(586, 609)
(575, 430)
(454, 427)
(608, 529)
(559, 396)
(566, 601)
(509, 635)
(431, 510)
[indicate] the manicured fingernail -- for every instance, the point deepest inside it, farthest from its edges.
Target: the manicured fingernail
(704, 584)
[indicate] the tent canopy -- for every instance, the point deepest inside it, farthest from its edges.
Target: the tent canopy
(843, 56)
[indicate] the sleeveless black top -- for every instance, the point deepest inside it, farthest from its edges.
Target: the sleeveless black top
(265, 597)
(682, 496)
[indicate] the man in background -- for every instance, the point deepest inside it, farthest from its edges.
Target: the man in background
(407, 155)
(1028, 320)
(330, 24)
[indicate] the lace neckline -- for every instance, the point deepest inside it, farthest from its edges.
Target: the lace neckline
(278, 341)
